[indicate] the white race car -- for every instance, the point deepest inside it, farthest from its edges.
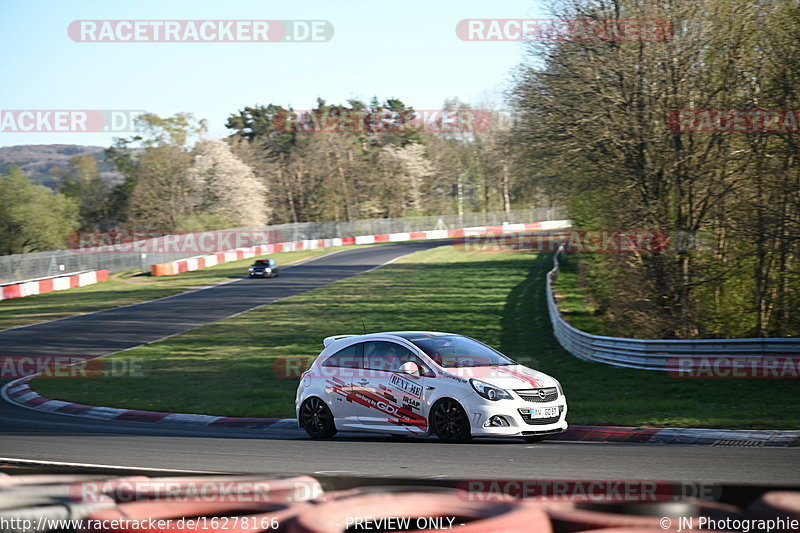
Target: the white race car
(426, 383)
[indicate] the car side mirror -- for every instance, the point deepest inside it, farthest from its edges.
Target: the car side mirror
(411, 368)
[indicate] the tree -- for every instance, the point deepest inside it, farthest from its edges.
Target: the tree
(594, 131)
(83, 184)
(176, 130)
(405, 169)
(162, 195)
(344, 161)
(156, 193)
(124, 159)
(32, 217)
(223, 186)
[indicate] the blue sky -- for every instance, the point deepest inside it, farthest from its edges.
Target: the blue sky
(407, 50)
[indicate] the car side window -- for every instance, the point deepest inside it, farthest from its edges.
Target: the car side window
(349, 357)
(390, 356)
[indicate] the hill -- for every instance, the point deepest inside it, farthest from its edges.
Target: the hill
(36, 160)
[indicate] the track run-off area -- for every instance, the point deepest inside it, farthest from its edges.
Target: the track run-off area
(27, 434)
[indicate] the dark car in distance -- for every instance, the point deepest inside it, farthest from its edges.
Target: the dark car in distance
(264, 268)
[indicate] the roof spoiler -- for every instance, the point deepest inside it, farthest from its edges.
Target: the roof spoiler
(327, 341)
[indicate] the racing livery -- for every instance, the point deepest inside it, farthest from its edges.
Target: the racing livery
(426, 383)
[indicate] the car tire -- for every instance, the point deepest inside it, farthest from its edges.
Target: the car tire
(317, 419)
(534, 438)
(449, 421)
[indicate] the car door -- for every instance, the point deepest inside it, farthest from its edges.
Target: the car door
(338, 372)
(387, 398)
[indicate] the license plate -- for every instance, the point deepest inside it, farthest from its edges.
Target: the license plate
(544, 412)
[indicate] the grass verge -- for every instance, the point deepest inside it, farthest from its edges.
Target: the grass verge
(227, 368)
(125, 288)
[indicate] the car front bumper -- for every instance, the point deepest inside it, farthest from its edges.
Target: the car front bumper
(512, 413)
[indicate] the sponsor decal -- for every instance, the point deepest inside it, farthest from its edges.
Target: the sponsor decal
(376, 403)
(447, 375)
(406, 386)
(410, 403)
(389, 396)
(401, 416)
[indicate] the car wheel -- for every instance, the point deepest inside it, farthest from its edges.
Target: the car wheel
(449, 421)
(533, 438)
(317, 419)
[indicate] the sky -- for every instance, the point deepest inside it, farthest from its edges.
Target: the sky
(408, 50)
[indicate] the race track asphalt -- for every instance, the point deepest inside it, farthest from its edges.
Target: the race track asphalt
(33, 435)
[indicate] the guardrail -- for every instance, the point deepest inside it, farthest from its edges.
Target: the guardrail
(680, 355)
(194, 263)
(117, 258)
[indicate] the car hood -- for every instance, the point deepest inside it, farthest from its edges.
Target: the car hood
(506, 377)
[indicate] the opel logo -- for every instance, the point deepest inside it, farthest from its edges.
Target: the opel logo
(542, 394)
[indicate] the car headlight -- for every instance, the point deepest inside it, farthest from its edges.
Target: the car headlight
(489, 392)
(558, 386)
(267, 270)
(250, 269)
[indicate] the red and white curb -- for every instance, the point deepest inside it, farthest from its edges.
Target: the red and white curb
(19, 289)
(20, 393)
(204, 261)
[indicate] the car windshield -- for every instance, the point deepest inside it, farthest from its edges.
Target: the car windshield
(455, 351)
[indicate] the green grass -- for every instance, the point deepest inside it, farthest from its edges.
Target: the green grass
(575, 302)
(226, 368)
(126, 288)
